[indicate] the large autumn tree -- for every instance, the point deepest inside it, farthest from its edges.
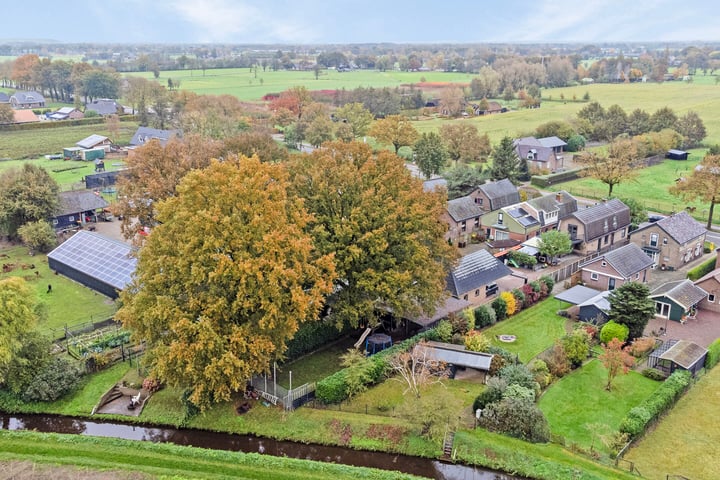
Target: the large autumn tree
(18, 315)
(395, 130)
(27, 194)
(383, 230)
(620, 164)
(226, 279)
(702, 184)
(464, 143)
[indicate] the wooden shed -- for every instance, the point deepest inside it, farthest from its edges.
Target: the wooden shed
(678, 354)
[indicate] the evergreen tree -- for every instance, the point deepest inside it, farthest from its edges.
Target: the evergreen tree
(505, 161)
(631, 305)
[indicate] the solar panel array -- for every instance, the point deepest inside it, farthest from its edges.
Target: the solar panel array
(99, 257)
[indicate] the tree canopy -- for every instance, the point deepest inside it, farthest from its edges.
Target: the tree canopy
(226, 278)
(430, 154)
(619, 165)
(631, 305)
(464, 143)
(702, 184)
(505, 161)
(383, 230)
(395, 130)
(553, 243)
(357, 116)
(27, 194)
(18, 315)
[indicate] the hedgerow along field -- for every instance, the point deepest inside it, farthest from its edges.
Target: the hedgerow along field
(245, 85)
(685, 441)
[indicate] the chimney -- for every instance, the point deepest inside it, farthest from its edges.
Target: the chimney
(559, 197)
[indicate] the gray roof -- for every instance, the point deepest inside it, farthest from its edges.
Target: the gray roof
(79, 201)
(103, 106)
(455, 355)
(684, 353)
(680, 226)
(627, 260)
(603, 218)
(451, 305)
(682, 292)
(434, 183)
(561, 201)
(552, 142)
(28, 97)
(463, 208)
(501, 193)
(599, 300)
(145, 134)
(4, 97)
(475, 270)
(91, 141)
(531, 145)
(577, 294)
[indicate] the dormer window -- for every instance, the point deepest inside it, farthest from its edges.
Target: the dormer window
(614, 222)
(500, 218)
(605, 226)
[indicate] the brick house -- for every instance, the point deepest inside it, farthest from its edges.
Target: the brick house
(597, 227)
(27, 100)
(616, 267)
(672, 241)
(474, 277)
(492, 196)
(541, 153)
(463, 218)
(711, 284)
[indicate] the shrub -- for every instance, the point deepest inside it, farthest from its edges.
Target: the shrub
(151, 384)
(557, 361)
(576, 347)
(312, 335)
(575, 143)
(58, 378)
(476, 342)
(612, 330)
(531, 296)
(548, 281)
(38, 236)
(641, 346)
(510, 305)
(500, 308)
(484, 316)
(635, 421)
(444, 331)
(24, 365)
(519, 297)
(332, 389)
(541, 372)
(461, 323)
(517, 418)
(507, 356)
(713, 354)
(653, 374)
(590, 329)
(457, 339)
(492, 393)
(519, 392)
(519, 374)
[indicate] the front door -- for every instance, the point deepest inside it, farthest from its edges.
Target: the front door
(611, 284)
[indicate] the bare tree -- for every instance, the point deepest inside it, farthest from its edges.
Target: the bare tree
(418, 368)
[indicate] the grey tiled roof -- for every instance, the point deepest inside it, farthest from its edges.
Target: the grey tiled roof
(552, 142)
(4, 97)
(613, 213)
(628, 260)
(526, 145)
(463, 208)
(681, 227)
(145, 134)
(28, 97)
(683, 292)
(684, 353)
(562, 201)
(475, 270)
(501, 193)
(434, 183)
(103, 106)
(577, 294)
(79, 201)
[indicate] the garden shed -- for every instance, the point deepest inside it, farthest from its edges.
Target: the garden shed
(677, 300)
(678, 354)
(455, 356)
(100, 263)
(673, 154)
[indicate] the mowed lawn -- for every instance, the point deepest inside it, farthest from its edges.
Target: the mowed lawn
(578, 404)
(69, 303)
(686, 441)
(536, 329)
(67, 173)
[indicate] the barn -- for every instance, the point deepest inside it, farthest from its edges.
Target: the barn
(100, 263)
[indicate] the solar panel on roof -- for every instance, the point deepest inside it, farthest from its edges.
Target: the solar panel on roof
(102, 258)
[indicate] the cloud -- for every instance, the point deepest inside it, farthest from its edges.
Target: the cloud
(238, 21)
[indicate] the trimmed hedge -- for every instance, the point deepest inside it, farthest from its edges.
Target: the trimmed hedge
(701, 270)
(713, 355)
(638, 418)
(544, 181)
(14, 127)
(312, 335)
(334, 388)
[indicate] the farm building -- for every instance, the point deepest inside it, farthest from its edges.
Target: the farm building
(104, 106)
(77, 208)
(98, 262)
(678, 355)
(95, 141)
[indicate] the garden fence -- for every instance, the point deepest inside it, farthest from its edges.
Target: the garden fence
(276, 394)
(566, 271)
(68, 331)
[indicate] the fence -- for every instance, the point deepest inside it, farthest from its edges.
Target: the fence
(67, 331)
(276, 394)
(566, 271)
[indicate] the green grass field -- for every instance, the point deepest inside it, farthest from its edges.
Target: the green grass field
(24, 144)
(69, 303)
(536, 329)
(67, 173)
(579, 401)
(170, 461)
(244, 84)
(686, 441)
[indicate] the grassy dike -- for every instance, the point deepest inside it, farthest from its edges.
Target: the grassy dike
(306, 425)
(171, 461)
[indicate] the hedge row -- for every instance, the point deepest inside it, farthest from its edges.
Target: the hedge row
(544, 181)
(701, 270)
(312, 335)
(713, 355)
(14, 127)
(638, 418)
(334, 389)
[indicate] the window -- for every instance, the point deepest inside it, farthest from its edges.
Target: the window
(604, 263)
(605, 226)
(500, 235)
(477, 222)
(614, 222)
(71, 218)
(637, 276)
(653, 239)
(622, 233)
(665, 241)
(477, 292)
(463, 226)
(55, 221)
(594, 276)
(479, 201)
(465, 297)
(711, 298)
(500, 218)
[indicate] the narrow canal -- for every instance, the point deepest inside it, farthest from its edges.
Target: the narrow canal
(247, 443)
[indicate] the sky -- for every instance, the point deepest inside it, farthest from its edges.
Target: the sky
(366, 21)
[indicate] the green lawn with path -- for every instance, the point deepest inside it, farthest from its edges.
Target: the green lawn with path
(536, 329)
(578, 404)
